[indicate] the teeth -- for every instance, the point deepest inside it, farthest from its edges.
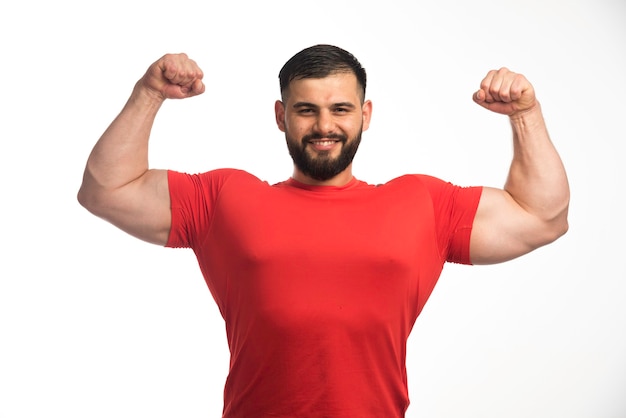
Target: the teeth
(323, 142)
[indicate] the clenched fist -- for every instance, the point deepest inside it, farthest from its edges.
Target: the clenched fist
(173, 76)
(503, 91)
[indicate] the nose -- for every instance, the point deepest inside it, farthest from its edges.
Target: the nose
(324, 124)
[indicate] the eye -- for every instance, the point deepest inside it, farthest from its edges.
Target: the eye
(343, 108)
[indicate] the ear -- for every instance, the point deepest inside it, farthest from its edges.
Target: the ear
(279, 111)
(367, 114)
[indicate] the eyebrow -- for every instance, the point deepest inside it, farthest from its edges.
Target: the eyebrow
(298, 105)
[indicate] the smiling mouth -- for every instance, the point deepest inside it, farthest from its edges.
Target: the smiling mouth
(325, 142)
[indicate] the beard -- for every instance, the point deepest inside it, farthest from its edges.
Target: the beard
(322, 166)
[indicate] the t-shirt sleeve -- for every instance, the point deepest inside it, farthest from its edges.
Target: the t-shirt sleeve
(193, 198)
(454, 210)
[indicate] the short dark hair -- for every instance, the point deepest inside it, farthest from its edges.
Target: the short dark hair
(320, 61)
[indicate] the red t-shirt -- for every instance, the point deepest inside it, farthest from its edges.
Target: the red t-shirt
(319, 286)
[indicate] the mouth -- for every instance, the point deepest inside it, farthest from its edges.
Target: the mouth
(323, 144)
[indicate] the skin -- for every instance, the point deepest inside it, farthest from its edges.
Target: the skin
(531, 210)
(331, 105)
(528, 212)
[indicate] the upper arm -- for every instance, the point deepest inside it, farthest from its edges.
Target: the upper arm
(503, 230)
(140, 208)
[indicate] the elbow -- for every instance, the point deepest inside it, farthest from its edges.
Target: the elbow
(85, 199)
(560, 229)
(564, 226)
(93, 195)
(557, 226)
(550, 225)
(561, 220)
(90, 200)
(546, 233)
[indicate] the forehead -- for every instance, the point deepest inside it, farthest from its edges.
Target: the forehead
(338, 87)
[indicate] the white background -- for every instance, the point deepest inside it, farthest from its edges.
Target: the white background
(94, 323)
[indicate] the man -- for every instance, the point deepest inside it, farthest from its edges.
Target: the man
(320, 278)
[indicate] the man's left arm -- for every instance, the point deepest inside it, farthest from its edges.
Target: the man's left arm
(531, 210)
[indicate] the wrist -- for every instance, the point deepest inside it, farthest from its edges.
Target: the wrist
(527, 120)
(532, 111)
(147, 97)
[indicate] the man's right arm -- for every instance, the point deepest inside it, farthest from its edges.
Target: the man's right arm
(118, 185)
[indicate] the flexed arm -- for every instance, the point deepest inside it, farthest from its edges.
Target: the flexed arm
(531, 210)
(118, 184)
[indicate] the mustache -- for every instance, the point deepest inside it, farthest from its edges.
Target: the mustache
(314, 136)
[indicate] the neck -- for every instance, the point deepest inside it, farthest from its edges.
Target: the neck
(339, 180)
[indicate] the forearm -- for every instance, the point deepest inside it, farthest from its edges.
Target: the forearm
(121, 154)
(537, 180)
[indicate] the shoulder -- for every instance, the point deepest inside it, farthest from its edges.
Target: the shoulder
(422, 182)
(440, 192)
(220, 173)
(212, 178)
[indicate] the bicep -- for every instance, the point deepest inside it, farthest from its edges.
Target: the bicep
(140, 208)
(503, 230)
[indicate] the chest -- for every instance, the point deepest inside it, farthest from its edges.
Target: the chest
(355, 255)
(374, 230)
